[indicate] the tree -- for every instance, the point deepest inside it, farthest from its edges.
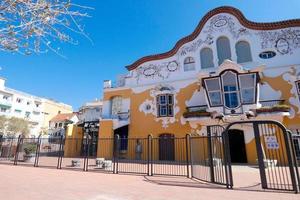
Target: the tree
(3, 122)
(30, 26)
(17, 126)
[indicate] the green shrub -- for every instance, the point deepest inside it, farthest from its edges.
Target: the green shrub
(30, 148)
(198, 113)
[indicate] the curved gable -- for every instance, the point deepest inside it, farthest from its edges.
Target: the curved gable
(230, 10)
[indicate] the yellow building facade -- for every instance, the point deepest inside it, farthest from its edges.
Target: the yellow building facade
(229, 69)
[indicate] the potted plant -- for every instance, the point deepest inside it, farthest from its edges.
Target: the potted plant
(30, 150)
(275, 108)
(198, 113)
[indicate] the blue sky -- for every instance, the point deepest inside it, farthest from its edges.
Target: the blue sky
(122, 31)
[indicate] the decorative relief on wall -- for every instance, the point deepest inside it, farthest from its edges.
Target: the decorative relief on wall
(219, 23)
(161, 71)
(150, 106)
(284, 41)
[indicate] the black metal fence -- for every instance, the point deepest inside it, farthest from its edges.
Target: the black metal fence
(149, 156)
(206, 157)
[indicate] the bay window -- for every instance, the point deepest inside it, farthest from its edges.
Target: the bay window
(231, 89)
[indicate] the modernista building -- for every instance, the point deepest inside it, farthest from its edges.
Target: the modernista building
(229, 69)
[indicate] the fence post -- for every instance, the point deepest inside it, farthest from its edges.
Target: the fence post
(85, 153)
(210, 155)
(37, 153)
(60, 153)
(17, 150)
(289, 152)
(187, 139)
(116, 147)
(295, 158)
(260, 156)
(149, 156)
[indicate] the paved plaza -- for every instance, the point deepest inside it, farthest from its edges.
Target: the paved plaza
(29, 183)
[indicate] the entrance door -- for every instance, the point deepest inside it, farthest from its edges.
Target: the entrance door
(166, 147)
(237, 146)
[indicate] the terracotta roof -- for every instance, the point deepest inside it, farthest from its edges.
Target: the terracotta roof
(225, 9)
(62, 117)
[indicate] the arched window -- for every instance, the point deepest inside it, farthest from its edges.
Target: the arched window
(223, 48)
(230, 88)
(206, 56)
(189, 64)
(243, 52)
(116, 105)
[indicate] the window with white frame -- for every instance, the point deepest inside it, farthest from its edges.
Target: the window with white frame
(231, 89)
(189, 64)
(165, 105)
(213, 88)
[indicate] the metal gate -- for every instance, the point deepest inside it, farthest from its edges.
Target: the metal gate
(209, 160)
(276, 155)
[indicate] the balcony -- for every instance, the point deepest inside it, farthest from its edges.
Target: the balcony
(121, 116)
(6, 103)
(196, 112)
(272, 106)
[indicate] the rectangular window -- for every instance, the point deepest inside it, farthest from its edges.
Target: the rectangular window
(247, 88)
(19, 100)
(3, 110)
(165, 105)
(27, 114)
(214, 91)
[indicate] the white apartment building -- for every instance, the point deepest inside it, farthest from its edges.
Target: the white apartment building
(14, 103)
(91, 111)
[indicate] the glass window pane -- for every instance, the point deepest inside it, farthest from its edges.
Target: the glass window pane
(163, 110)
(215, 98)
(248, 95)
(212, 84)
(231, 100)
(206, 56)
(163, 100)
(189, 67)
(223, 49)
(229, 79)
(247, 80)
(170, 99)
(189, 64)
(170, 110)
(243, 52)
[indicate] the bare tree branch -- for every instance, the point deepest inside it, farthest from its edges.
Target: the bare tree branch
(33, 26)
